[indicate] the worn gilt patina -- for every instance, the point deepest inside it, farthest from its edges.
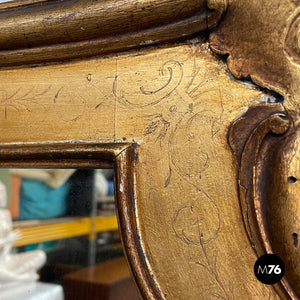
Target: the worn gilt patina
(206, 165)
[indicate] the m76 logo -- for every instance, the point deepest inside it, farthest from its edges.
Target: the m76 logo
(269, 269)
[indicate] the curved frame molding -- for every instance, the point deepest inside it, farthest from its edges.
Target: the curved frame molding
(38, 31)
(249, 138)
(120, 156)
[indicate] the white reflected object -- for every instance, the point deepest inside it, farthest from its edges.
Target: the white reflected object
(101, 184)
(20, 266)
(52, 177)
(32, 291)
(3, 196)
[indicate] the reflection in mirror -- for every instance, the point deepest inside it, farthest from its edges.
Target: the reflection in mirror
(56, 225)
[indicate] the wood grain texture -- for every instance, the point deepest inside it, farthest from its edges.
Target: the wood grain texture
(106, 281)
(41, 31)
(182, 229)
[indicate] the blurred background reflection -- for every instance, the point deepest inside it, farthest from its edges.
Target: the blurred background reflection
(69, 215)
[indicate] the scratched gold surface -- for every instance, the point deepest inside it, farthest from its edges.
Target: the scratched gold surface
(261, 41)
(176, 103)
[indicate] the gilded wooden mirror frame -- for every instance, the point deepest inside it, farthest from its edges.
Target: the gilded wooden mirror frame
(67, 32)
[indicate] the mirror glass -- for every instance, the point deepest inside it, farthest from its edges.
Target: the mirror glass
(58, 227)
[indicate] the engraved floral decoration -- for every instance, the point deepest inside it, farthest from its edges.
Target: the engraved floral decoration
(21, 99)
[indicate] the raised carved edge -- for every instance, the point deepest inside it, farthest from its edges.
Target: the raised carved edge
(122, 157)
(246, 136)
(43, 31)
(128, 218)
(18, 3)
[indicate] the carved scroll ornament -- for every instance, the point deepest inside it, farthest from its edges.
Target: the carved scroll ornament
(261, 39)
(265, 145)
